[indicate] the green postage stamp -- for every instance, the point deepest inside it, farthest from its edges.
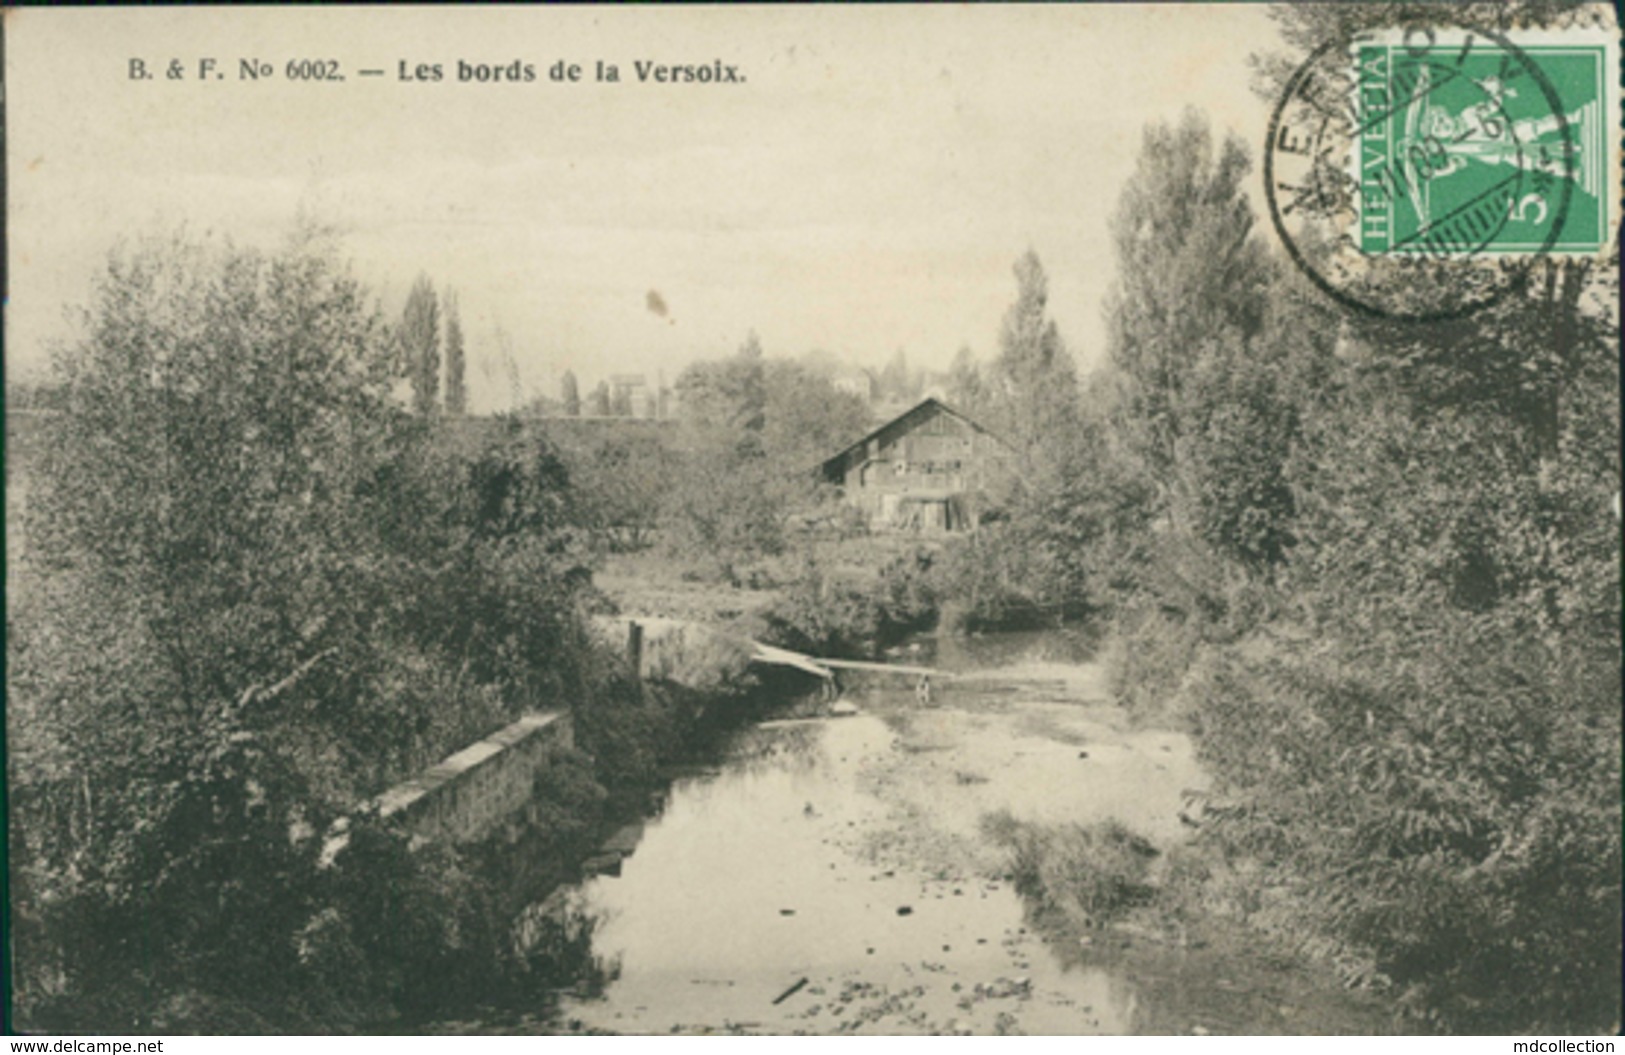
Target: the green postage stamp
(1484, 144)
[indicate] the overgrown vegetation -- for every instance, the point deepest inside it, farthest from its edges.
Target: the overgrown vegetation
(1375, 568)
(256, 590)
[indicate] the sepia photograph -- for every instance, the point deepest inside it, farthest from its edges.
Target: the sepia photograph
(834, 520)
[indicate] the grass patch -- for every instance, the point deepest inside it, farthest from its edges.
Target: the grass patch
(1086, 874)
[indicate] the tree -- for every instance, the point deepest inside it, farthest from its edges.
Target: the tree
(820, 363)
(727, 508)
(1214, 350)
(965, 389)
(1435, 782)
(570, 395)
(456, 392)
(260, 592)
(195, 518)
(755, 430)
(1305, 27)
(895, 380)
(728, 394)
(1516, 408)
(1079, 524)
(1034, 386)
(620, 403)
(598, 405)
(420, 345)
(1191, 277)
(807, 418)
(624, 477)
(751, 393)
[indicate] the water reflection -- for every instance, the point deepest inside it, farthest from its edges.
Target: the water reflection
(792, 744)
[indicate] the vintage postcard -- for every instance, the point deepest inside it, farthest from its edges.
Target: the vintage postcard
(1075, 519)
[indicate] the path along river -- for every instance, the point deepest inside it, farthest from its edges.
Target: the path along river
(835, 876)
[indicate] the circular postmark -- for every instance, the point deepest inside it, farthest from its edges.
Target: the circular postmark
(1418, 174)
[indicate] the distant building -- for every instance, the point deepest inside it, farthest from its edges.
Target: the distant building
(857, 381)
(624, 393)
(929, 470)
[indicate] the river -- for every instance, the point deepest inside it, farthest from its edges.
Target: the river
(836, 875)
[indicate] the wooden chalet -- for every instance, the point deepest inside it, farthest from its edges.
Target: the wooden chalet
(927, 470)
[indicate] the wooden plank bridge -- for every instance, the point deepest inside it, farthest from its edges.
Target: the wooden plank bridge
(826, 668)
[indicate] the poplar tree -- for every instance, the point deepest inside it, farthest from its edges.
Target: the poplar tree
(599, 407)
(420, 344)
(1034, 381)
(570, 394)
(456, 391)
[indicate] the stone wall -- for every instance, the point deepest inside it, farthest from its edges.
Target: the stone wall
(683, 651)
(487, 789)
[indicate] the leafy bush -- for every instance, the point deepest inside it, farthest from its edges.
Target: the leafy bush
(988, 581)
(1452, 815)
(826, 616)
(627, 732)
(409, 934)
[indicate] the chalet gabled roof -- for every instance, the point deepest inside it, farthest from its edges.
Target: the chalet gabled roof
(915, 409)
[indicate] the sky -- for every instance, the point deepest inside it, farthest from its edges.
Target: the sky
(866, 188)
